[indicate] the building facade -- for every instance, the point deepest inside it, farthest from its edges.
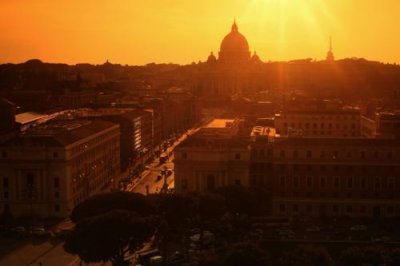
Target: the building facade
(331, 123)
(305, 176)
(214, 157)
(48, 170)
(329, 177)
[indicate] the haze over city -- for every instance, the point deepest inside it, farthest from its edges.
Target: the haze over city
(139, 32)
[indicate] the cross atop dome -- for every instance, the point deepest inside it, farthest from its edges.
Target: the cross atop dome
(234, 26)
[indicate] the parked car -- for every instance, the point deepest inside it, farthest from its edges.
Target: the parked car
(313, 229)
(358, 227)
(19, 231)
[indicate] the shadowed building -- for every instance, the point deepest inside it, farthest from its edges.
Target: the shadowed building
(305, 175)
(48, 170)
(214, 157)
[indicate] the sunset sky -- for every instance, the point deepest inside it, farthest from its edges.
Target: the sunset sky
(182, 31)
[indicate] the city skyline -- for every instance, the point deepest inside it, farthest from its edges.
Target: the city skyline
(135, 33)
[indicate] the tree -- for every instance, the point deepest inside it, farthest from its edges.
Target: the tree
(372, 255)
(174, 211)
(246, 254)
(306, 256)
(109, 237)
(103, 203)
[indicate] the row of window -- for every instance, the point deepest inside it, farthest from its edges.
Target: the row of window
(319, 125)
(336, 182)
(237, 156)
(322, 117)
(262, 168)
(350, 209)
(337, 155)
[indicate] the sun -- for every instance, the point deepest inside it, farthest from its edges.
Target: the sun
(289, 19)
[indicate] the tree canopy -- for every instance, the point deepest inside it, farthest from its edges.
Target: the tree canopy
(103, 203)
(109, 236)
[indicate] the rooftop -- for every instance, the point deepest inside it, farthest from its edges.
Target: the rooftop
(28, 117)
(220, 123)
(60, 132)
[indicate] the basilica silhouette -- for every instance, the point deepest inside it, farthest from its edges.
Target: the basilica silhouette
(235, 72)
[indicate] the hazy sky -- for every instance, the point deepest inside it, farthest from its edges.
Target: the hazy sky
(183, 31)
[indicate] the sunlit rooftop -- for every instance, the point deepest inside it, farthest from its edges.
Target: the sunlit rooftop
(220, 123)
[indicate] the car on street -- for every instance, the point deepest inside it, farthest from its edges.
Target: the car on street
(358, 227)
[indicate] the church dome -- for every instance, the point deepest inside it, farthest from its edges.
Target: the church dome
(211, 58)
(234, 47)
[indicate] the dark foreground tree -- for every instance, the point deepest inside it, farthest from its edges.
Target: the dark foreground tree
(372, 255)
(306, 256)
(103, 203)
(246, 254)
(109, 237)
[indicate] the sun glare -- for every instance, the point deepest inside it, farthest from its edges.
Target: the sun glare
(291, 21)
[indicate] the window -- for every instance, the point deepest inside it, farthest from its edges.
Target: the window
(282, 181)
(349, 208)
(30, 180)
(322, 182)
(237, 156)
(309, 181)
(363, 182)
(5, 182)
(296, 181)
(350, 182)
(336, 181)
(210, 182)
(56, 182)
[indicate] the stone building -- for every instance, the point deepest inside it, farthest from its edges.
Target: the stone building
(49, 169)
(216, 156)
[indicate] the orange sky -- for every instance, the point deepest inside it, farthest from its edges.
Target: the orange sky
(182, 31)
